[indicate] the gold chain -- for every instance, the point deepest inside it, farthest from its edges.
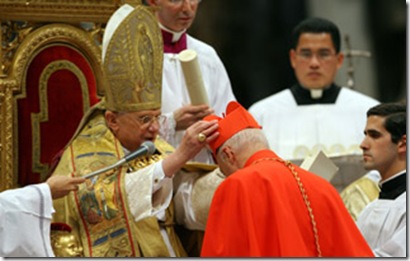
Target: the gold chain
(289, 165)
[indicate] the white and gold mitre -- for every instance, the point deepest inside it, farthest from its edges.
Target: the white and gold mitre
(132, 54)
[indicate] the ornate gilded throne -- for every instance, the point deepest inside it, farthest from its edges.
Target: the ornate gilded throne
(50, 74)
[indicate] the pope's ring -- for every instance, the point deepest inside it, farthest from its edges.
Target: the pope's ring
(201, 137)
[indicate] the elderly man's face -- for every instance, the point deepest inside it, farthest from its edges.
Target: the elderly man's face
(176, 15)
(133, 128)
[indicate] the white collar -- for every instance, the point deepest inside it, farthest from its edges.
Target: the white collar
(175, 35)
(392, 177)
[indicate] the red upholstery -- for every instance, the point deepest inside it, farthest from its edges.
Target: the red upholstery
(65, 106)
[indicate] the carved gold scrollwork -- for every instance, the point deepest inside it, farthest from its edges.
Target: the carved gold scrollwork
(60, 10)
(1, 120)
(6, 134)
(13, 33)
(22, 52)
(48, 34)
(95, 30)
(27, 26)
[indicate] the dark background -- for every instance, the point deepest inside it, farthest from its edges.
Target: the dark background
(252, 39)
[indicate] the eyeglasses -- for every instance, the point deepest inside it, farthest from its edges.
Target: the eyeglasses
(322, 56)
(180, 2)
(149, 119)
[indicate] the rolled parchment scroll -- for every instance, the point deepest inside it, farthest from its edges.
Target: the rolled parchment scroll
(193, 77)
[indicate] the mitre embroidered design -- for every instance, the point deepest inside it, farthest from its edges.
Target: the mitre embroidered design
(132, 60)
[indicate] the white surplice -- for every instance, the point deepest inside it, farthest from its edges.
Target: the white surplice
(383, 224)
(175, 93)
(25, 218)
(297, 131)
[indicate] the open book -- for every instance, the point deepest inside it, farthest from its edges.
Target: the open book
(321, 165)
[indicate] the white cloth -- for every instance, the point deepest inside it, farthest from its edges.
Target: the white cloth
(149, 193)
(184, 213)
(374, 176)
(295, 132)
(115, 20)
(193, 193)
(175, 93)
(383, 224)
(25, 219)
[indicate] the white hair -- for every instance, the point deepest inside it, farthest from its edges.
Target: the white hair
(247, 141)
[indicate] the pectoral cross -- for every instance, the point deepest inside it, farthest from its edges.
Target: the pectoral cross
(349, 54)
